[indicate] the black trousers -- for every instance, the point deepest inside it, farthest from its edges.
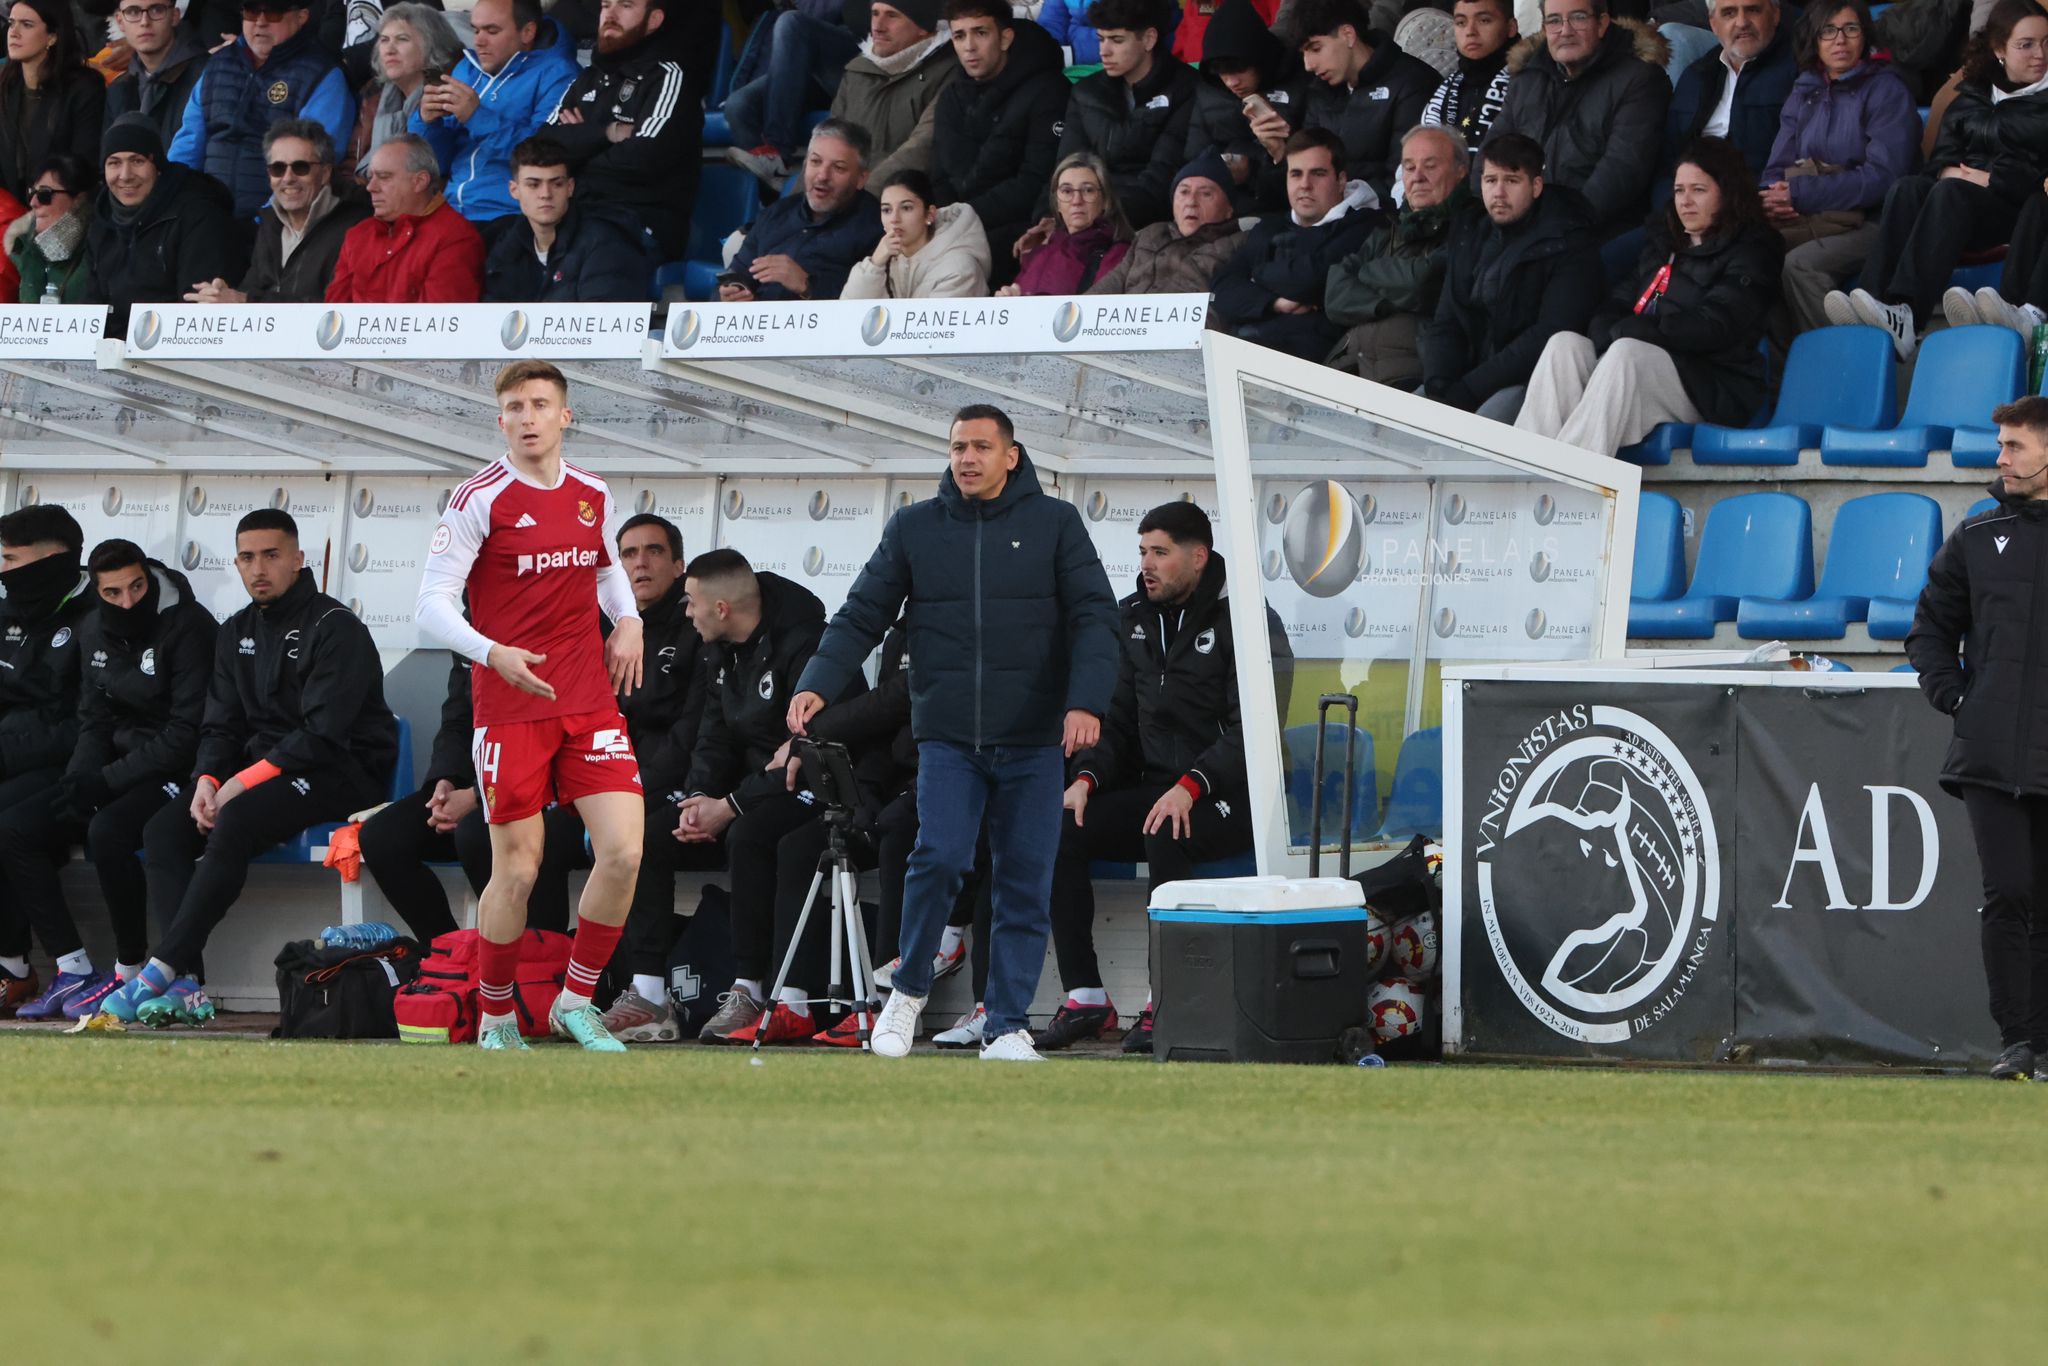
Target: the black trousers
(752, 850)
(33, 845)
(2025, 278)
(2012, 849)
(1113, 828)
(194, 877)
(1926, 227)
(398, 844)
(652, 925)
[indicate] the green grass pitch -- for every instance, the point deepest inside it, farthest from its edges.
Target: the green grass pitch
(198, 1199)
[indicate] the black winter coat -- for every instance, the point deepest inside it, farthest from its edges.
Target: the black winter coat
(1279, 260)
(1989, 582)
(169, 90)
(143, 696)
(746, 704)
(184, 233)
(1392, 91)
(39, 662)
(2009, 139)
(452, 756)
(1709, 320)
(302, 280)
(995, 142)
(66, 119)
(1602, 131)
(1011, 618)
(298, 682)
(1760, 94)
(600, 254)
(1176, 709)
(1141, 133)
(1506, 293)
(825, 247)
(663, 713)
(654, 171)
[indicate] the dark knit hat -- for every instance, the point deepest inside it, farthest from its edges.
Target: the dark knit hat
(133, 133)
(926, 14)
(1208, 166)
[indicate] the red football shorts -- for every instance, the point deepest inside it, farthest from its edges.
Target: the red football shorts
(521, 766)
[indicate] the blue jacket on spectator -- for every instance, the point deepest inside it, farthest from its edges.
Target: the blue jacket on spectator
(601, 254)
(235, 102)
(825, 247)
(1760, 93)
(1863, 121)
(1011, 618)
(1064, 20)
(477, 156)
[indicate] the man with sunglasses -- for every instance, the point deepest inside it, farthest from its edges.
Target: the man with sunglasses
(277, 69)
(164, 64)
(298, 238)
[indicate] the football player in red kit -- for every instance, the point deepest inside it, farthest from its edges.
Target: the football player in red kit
(531, 540)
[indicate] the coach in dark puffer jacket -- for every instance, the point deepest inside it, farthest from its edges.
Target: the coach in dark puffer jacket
(157, 229)
(997, 133)
(1134, 113)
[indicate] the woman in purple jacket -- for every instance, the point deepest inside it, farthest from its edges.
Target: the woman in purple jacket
(1084, 238)
(1848, 131)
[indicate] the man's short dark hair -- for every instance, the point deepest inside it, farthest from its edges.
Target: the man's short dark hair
(986, 412)
(539, 150)
(727, 573)
(1516, 152)
(996, 10)
(1303, 139)
(1181, 520)
(526, 12)
(306, 130)
(1322, 18)
(2030, 412)
(111, 556)
(1133, 16)
(1595, 7)
(669, 529)
(268, 519)
(39, 523)
(1504, 8)
(852, 134)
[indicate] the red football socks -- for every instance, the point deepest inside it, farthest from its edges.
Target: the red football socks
(589, 954)
(497, 965)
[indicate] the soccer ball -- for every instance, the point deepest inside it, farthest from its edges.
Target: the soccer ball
(1413, 948)
(1433, 862)
(1377, 937)
(1395, 1007)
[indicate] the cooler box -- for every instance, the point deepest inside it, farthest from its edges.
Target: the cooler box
(1257, 969)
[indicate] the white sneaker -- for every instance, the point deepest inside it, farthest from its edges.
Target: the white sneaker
(1835, 304)
(1896, 319)
(896, 1027)
(966, 1031)
(944, 965)
(1014, 1046)
(2021, 318)
(1959, 306)
(885, 975)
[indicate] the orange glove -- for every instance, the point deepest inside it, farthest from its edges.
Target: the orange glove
(345, 851)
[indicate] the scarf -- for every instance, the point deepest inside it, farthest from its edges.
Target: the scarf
(58, 241)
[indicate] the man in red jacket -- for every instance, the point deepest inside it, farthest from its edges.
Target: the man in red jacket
(415, 249)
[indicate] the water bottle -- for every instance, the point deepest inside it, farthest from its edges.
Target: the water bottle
(1372, 1060)
(370, 934)
(50, 294)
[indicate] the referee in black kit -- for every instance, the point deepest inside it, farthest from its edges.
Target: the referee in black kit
(1989, 584)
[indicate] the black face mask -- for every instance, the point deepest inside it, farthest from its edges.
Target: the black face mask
(36, 590)
(131, 622)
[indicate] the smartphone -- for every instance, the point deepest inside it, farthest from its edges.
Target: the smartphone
(736, 277)
(1256, 107)
(436, 74)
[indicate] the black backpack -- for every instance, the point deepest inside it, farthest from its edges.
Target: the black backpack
(341, 993)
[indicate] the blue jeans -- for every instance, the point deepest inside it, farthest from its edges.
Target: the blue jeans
(804, 62)
(1020, 787)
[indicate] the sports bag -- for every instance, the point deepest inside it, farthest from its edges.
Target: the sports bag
(343, 992)
(440, 1004)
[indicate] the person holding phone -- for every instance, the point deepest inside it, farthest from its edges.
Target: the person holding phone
(1248, 103)
(415, 46)
(498, 96)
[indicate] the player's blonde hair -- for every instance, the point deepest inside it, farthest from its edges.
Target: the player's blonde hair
(521, 372)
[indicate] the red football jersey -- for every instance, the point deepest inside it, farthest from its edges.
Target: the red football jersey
(537, 563)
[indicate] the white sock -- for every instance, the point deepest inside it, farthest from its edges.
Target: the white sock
(648, 988)
(794, 998)
(15, 967)
(949, 942)
(751, 986)
(126, 971)
(78, 964)
(486, 1023)
(1088, 996)
(570, 1000)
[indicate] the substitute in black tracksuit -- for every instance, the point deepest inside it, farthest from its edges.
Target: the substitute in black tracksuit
(145, 662)
(48, 594)
(1166, 785)
(296, 733)
(1989, 584)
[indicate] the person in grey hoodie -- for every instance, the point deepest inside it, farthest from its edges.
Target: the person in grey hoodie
(925, 252)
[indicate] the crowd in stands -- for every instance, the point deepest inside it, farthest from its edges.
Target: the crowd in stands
(1355, 183)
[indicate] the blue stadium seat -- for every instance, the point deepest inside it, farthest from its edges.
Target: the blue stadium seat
(299, 848)
(1660, 549)
(727, 198)
(1834, 377)
(1877, 564)
(1755, 545)
(1416, 805)
(1656, 448)
(1904, 669)
(717, 132)
(1981, 505)
(1298, 754)
(1962, 374)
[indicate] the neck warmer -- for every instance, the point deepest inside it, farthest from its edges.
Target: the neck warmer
(37, 589)
(131, 623)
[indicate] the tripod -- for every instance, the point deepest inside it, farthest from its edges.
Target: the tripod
(849, 932)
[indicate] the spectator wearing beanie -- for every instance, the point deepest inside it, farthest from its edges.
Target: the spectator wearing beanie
(1473, 93)
(1134, 113)
(1365, 89)
(157, 228)
(415, 248)
(1241, 58)
(1191, 36)
(1382, 292)
(1183, 254)
(893, 84)
(997, 132)
(50, 101)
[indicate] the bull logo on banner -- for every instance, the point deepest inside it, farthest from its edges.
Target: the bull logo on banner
(1599, 800)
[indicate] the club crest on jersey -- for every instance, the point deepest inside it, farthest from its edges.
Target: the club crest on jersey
(556, 559)
(585, 513)
(767, 685)
(148, 665)
(61, 639)
(1206, 641)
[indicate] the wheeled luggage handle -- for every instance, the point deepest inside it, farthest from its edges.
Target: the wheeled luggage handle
(1315, 796)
